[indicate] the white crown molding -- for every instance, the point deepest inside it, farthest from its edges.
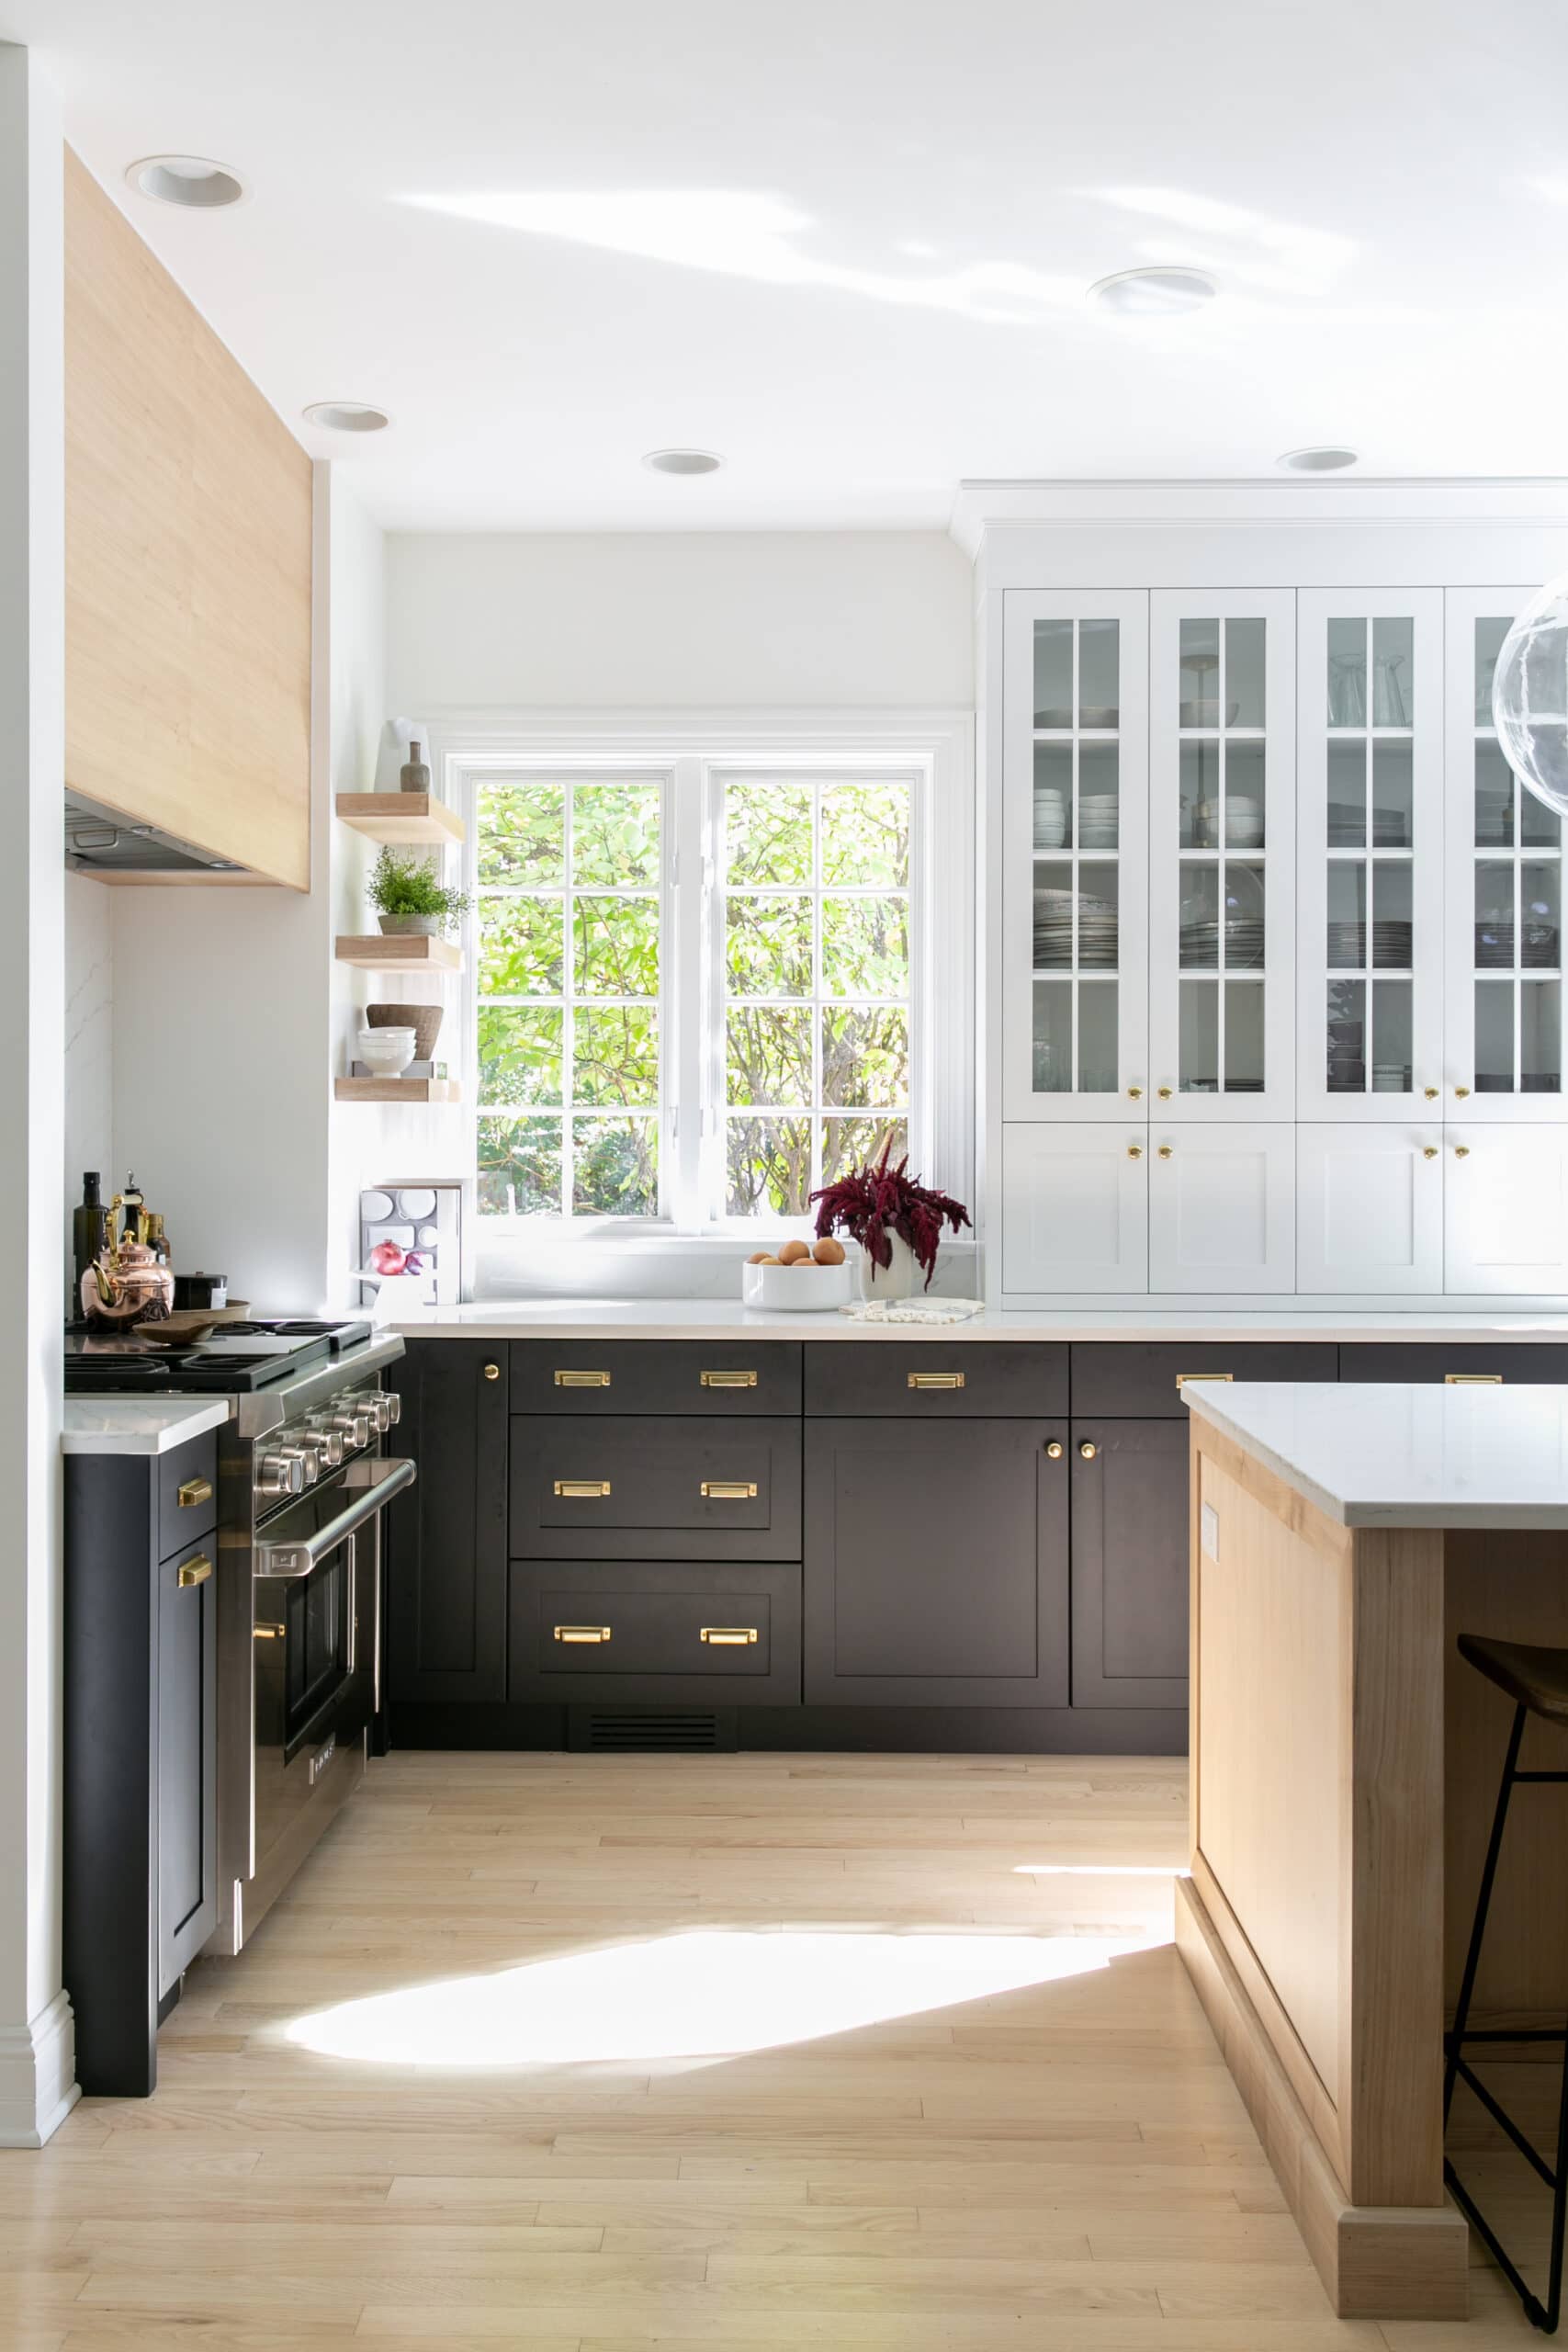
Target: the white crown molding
(983, 507)
(38, 2075)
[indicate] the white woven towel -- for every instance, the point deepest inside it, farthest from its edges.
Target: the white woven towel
(913, 1310)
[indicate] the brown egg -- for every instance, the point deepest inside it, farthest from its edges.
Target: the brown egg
(829, 1252)
(760, 1258)
(791, 1252)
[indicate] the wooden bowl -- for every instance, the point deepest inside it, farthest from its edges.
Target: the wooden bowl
(187, 1326)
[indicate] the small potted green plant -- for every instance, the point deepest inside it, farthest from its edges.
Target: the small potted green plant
(409, 896)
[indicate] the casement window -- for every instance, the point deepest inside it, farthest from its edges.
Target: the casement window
(698, 986)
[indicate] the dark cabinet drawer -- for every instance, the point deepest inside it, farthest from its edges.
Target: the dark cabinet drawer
(187, 1758)
(935, 1571)
(446, 1536)
(1130, 1565)
(187, 1493)
(936, 1379)
(660, 1489)
(1529, 1363)
(1143, 1381)
(616, 1376)
(668, 1633)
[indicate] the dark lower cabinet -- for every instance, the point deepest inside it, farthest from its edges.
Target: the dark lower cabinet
(935, 1563)
(1130, 1565)
(655, 1487)
(447, 1537)
(655, 1633)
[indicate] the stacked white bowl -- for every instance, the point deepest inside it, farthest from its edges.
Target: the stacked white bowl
(1050, 818)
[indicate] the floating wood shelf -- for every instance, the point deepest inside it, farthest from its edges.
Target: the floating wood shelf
(400, 952)
(401, 818)
(397, 1089)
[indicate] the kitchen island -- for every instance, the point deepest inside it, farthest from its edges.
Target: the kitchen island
(1345, 1767)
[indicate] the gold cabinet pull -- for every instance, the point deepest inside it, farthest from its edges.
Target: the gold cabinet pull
(1431, 1092)
(1135, 1151)
(1134, 1093)
(725, 1380)
(728, 1637)
(194, 1571)
(1166, 1149)
(1183, 1377)
(1462, 1151)
(1472, 1380)
(729, 1490)
(583, 1380)
(1054, 1449)
(583, 1634)
(492, 1371)
(265, 1632)
(193, 1491)
(1163, 1092)
(936, 1380)
(582, 1490)
(1088, 1448)
(1463, 1093)
(1428, 1151)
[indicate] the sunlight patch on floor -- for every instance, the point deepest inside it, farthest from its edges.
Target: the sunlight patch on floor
(708, 1994)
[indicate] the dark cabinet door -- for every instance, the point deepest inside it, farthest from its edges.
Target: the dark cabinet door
(1130, 1565)
(936, 1562)
(608, 1488)
(188, 1757)
(447, 1537)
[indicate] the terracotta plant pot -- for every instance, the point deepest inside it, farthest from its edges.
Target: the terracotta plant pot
(424, 1020)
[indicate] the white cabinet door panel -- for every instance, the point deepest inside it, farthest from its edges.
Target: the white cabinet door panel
(1507, 1193)
(1074, 1209)
(1223, 1208)
(1369, 1209)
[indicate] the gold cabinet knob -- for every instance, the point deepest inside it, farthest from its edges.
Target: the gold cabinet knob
(1428, 1151)
(1166, 1149)
(1135, 1094)
(1054, 1449)
(1088, 1448)
(1165, 1093)
(1135, 1151)
(492, 1371)
(1462, 1151)
(1431, 1092)
(1461, 1091)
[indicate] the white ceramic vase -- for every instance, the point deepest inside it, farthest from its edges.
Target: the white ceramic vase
(896, 1281)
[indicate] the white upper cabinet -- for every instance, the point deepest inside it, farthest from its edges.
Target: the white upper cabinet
(1075, 842)
(1075, 1210)
(1221, 855)
(1369, 842)
(1503, 1057)
(1505, 1211)
(1222, 1208)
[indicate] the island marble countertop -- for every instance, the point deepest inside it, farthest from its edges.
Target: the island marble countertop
(1400, 1456)
(697, 1319)
(138, 1424)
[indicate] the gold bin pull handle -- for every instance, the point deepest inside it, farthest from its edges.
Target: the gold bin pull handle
(263, 1632)
(193, 1491)
(1183, 1377)
(583, 1380)
(728, 1637)
(729, 1490)
(581, 1633)
(582, 1490)
(936, 1380)
(194, 1571)
(1472, 1380)
(727, 1379)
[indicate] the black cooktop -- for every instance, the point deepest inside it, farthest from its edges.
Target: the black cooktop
(249, 1354)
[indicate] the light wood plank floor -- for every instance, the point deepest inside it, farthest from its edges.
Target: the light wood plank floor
(742, 2052)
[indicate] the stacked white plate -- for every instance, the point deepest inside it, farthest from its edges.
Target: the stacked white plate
(1054, 931)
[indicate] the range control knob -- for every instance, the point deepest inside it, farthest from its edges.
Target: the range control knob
(326, 1441)
(297, 1450)
(379, 1408)
(354, 1428)
(280, 1473)
(394, 1404)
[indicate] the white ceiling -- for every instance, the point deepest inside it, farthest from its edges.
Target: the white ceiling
(845, 241)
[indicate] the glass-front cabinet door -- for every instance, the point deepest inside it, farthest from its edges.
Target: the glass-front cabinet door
(1502, 1061)
(1075, 900)
(1369, 789)
(1222, 854)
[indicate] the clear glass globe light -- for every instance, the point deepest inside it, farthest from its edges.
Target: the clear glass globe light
(1529, 696)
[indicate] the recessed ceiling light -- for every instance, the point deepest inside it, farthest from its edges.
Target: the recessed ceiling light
(1329, 460)
(347, 416)
(1153, 293)
(192, 181)
(683, 461)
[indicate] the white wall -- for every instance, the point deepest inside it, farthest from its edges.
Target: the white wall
(89, 1038)
(695, 620)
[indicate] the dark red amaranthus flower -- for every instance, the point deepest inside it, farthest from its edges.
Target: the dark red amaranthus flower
(874, 1200)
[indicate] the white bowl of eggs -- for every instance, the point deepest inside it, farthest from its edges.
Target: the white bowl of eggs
(797, 1278)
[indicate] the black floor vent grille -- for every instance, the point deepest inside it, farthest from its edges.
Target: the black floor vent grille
(710, 1731)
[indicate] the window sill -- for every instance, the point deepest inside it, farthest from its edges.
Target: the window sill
(546, 1264)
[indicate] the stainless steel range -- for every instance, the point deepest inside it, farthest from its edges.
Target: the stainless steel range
(303, 1482)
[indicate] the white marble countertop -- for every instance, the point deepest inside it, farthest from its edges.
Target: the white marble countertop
(1406, 1456)
(138, 1424)
(697, 1318)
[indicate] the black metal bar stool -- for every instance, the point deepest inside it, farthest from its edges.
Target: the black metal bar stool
(1536, 1681)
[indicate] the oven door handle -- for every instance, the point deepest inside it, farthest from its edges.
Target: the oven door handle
(384, 1479)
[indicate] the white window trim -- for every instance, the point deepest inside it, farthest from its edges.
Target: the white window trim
(694, 749)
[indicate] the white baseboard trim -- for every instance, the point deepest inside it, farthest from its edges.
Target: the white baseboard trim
(38, 2075)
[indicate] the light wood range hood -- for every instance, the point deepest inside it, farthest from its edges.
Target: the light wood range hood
(188, 550)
